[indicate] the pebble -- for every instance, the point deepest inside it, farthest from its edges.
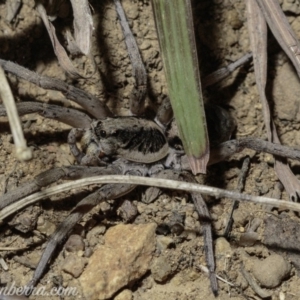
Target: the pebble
(291, 6)
(234, 20)
(164, 242)
(240, 217)
(26, 221)
(248, 239)
(161, 269)
(127, 210)
(151, 194)
(46, 227)
(75, 243)
(105, 207)
(124, 295)
(271, 271)
(124, 258)
(132, 11)
(95, 234)
(285, 97)
(222, 247)
(74, 265)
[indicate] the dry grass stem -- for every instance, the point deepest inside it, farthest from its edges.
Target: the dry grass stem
(162, 183)
(22, 151)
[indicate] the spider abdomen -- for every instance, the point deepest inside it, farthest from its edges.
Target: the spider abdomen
(131, 138)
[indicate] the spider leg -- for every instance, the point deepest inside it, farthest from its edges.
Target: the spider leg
(137, 99)
(226, 149)
(106, 192)
(205, 219)
(65, 115)
(89, 102)
(50, 176)
(90, 156)
(73, 136)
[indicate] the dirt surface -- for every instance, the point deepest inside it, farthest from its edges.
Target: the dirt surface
(255, 252)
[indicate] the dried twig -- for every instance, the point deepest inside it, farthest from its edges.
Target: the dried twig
(22, 151)
(83, 25)
(162, 183)
(59, 50)
(258, 38)
(205, 270)
(239, 188)
(281, 29)
(222, 73)
(88, 101)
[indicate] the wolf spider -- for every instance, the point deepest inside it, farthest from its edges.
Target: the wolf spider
(120, 145)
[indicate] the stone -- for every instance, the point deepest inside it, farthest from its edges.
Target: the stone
(286, 92)
(124, 258)
(75, 243)
(74, 265)
(164, 242)
(45, 227)
(222, 247)
(127, 211)
(26, 220)
(124, 295)
(95, 235)
(161, 269)
(271, 271)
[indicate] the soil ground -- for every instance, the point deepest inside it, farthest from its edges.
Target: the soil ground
(221, 32)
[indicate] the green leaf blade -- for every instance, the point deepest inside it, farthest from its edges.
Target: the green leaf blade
(176, 36)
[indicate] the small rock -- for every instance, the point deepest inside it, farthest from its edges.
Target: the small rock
(151, 194)
(271, 271)
(74, 265)
(141, 207)
(191, 235)
(26, 220)
(189, 223)
(45, 227)
(291, 7)
(88, 252)
(95, 234)
(240, 217)
(75, 243)
(124, 258)
(132, 11)
(285, 98)
(222, 247)
(104, 206)
(124, 295)
(164, 242)
(234, 20)
(127, 211)
(248, 239)
(161, 269)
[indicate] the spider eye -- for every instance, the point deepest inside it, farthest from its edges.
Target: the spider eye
(102, 133)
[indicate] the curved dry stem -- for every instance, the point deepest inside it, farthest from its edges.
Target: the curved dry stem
(22, 151)
(162, 183)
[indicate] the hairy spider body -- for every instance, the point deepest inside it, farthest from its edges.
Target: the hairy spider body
(131, 138)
